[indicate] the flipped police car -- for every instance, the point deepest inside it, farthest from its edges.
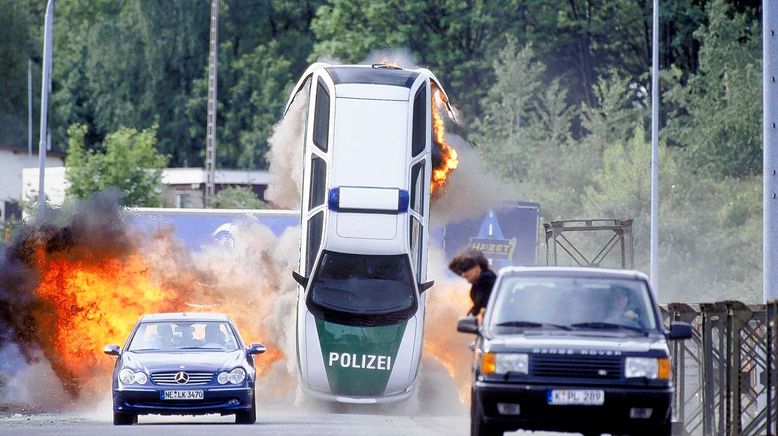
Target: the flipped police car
(572, 349)
(184, 364)
(367, 158)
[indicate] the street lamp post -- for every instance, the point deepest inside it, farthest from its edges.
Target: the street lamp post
(45, 89)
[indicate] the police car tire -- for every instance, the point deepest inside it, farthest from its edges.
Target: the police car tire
(249, 416)
(120, 418)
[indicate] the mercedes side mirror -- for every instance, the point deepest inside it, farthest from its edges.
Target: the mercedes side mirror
(679, 330)
(255, 349)
(426, 285)
(112, 350)
(467, 325)
(300, 279)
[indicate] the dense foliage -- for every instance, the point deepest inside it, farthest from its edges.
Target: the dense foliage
(129, 163)
(554, 94)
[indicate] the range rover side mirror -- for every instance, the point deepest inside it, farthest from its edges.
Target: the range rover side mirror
(255, 349)
(679, 330)
(303, 281)
(467, 325)
(112, 350)
(426, 285)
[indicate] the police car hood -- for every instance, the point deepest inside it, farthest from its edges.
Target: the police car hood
(575, 343)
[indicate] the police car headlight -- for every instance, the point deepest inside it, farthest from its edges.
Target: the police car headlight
(237, 376)
(504, 363)
(222, 378)
(648, 367)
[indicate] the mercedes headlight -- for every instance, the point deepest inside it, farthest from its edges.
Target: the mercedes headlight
(128, 377)
(222, 378)
(648, 367)
(237, 376)
(504, 363)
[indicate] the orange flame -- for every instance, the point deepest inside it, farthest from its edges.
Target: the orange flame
(449, 159)
(87, 305)
(442, 342)
(388, 63)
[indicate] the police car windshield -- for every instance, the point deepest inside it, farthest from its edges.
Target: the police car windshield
(361, 284)
(183, 335)
(572, 303)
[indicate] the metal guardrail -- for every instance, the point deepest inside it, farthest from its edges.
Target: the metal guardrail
(726, 375)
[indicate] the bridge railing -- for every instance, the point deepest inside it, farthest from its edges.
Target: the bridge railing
(726, 375)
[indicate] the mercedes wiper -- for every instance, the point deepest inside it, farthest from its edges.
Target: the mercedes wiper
(531, 324)
(144, 349)
(607, 325)
(197, 348)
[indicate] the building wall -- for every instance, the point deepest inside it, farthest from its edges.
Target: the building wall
(12, 165)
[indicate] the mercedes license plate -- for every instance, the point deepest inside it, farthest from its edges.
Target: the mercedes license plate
(182, 395)
(578, 396)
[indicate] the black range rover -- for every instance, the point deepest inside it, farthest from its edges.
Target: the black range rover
(572, 349)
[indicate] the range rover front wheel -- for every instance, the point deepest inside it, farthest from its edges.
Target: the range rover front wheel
(477, 425)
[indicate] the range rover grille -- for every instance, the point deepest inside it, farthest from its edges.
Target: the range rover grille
(596, 367)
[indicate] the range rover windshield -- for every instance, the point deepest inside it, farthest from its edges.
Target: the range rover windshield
(572, 303)
(363, 285)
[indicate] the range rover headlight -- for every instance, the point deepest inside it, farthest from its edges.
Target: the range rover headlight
(128, 377)
(648, 367)
(237, 376)
(504, 363)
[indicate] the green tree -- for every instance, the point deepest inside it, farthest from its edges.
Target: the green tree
(238, 197)
(717, 115)
(130, 164)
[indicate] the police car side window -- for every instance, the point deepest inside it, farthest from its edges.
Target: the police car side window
(417, 186)
(315, 225)
(318, 178)
(419, 136)
(321, 117)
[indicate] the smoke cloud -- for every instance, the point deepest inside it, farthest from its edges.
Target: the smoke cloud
(471, 189)
(286, 155)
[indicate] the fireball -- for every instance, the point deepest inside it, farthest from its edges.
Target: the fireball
(448, 160)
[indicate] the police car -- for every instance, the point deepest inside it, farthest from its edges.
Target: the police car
(365, 219)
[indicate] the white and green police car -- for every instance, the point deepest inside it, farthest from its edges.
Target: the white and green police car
(365, 219)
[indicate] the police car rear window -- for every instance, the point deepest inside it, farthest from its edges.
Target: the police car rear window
(373, 76)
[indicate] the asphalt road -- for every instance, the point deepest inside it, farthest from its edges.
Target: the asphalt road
(276, 421)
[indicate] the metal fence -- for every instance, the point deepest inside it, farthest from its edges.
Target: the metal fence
(726, 375)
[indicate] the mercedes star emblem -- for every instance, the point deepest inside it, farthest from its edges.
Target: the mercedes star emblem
(181, 378)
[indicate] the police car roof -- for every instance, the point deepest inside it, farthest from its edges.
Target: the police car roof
(184, 316)
(562, 271)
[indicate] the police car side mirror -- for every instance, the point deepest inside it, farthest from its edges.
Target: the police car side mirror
(303, 281)
(467, 325)
(111, 350)
(679, 330)
(426, 285)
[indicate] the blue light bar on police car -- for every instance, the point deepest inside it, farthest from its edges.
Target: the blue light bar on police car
(368, 200)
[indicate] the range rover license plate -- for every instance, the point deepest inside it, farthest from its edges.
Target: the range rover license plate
(182, 395)
(578, 396)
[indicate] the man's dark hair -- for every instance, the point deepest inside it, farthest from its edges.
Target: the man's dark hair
(468, 259)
